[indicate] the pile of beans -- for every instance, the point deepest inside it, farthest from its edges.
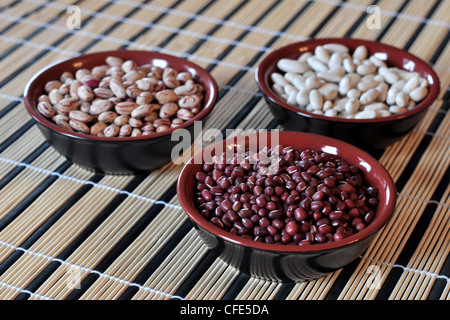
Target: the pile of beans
(121, 98)
(285, 196)
(336, 83)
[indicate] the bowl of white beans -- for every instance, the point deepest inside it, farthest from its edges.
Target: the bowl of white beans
(366, 93)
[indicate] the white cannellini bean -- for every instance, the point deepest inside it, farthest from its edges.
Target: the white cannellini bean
(291, 76)
(366, 114)
(329, 76)
(329, 91)
(368, 96)
(391, 95)
(330, 113)
(300, 83)
(278, 78)
(418, 93)
(349, 65)
(292, 98)
(366, 84)
(423, 82)
(305, 56)
(399, 84)
(383, 113)
(397, 109)
(364, 69)
(327, 105)
(322, 54)
(402, 99)
(354, 79)
(389, 75)
(313, 82)
(316, 99)
(316, 64)
(291, 65)
(378, 62)
(411, 84)
(382, 89)
(344, 85)
(339, 105)
(335, 60)
(334, 82)
(353, 93)
(302, 97)
(289, 88)
(360, 53)
(336, 47)
(351, 106)
(278, 89)
(375, 106)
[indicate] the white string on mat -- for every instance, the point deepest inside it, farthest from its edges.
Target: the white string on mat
(10, 286)
(100, 274)
(131, 43)
(239, 25)
(393, 265)
(177, 12)
(389, 13)
(110, 39)
(86, 182)
(174, 30)
(131, 194)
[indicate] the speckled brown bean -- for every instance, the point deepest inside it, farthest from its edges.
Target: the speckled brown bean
(79, 126)
(142, 111)
(66, 105)
(113, 61)
(118, 89)
(125, 108)
(62, 121)
(52, 84)
(125, 130)
(97, 128)
(166, 96)
(144, 98)
(187, 89)
(185, 114)
(121, 120)
(107, 116)
(55, 96)
(111, 131)
(121, 93)
(136, 132)
(103, 93)
(80, 116)
(85, 93)
(46, 109)
(135, 122)
(189, 102)
(168, 110)
(99, 106)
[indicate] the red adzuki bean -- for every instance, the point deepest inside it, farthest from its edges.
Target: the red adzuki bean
(312, 197)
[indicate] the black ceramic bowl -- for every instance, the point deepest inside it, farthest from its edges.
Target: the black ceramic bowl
(125, 155)
(285, 262)
(367, 134)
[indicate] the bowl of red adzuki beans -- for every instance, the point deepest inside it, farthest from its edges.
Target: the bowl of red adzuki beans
(286, 206)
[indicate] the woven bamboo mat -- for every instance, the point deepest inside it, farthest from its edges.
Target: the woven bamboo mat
(66, 233)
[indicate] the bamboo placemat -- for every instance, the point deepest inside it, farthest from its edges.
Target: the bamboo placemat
(66, 233)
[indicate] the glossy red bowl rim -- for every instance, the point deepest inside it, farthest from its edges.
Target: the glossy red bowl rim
(53, 71)
(345, 150)
(262, 75)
